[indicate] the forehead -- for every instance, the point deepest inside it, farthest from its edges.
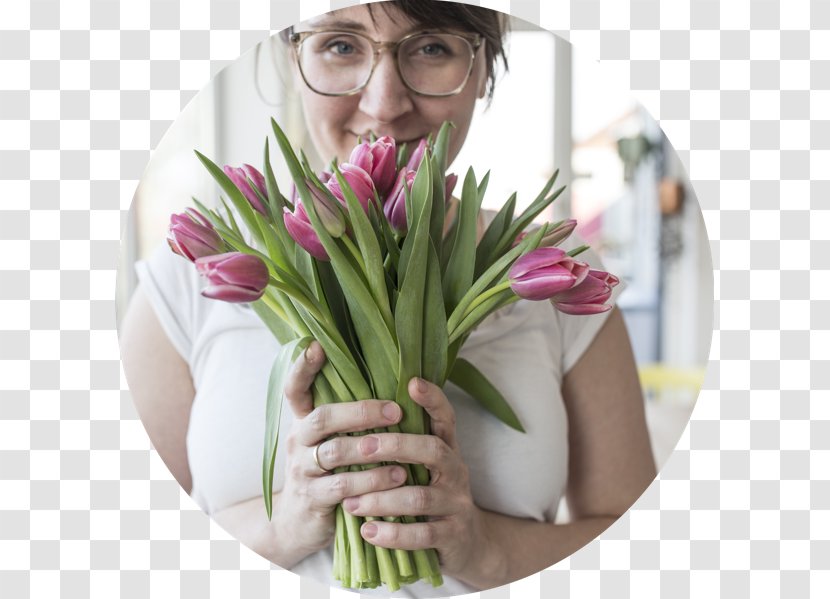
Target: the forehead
(384, 21)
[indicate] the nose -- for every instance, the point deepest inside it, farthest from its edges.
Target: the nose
(385, 97)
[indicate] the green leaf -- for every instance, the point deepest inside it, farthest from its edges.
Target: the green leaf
(409, 309)
(281, 330)
(460, 268)
(541, 202)
(367, 242)
(442, 144)
(377, 341)
(470, 379)
(494, 232)
(418, 200)
(435, 336)
(495, 272)
(240, 202)
(273, 411)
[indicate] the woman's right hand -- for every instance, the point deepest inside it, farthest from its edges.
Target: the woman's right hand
(304, 508)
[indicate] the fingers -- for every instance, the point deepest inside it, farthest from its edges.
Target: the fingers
(328, 491)
(442, 415)
(413, 500)
(417, 535)
(428, 450)
(300, 378)
(327, 420)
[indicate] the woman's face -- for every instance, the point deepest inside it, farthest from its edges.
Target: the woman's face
(385, 106)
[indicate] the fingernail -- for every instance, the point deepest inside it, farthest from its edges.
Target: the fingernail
(369, 445)
(350, 503)
(309, 357)
(422, 385)
(391, 411)
(398, 475)
(369, 530)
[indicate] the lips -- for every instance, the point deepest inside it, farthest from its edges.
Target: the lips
(398, 139)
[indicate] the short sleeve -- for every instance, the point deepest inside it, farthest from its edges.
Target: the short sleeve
(579, 331)
(171, 285)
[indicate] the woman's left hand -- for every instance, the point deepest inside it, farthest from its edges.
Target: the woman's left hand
(455, 526)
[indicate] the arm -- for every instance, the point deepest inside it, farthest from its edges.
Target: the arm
(610, 466)
(610, 458)
(160, 385)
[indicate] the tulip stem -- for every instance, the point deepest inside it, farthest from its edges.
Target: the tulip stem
(309, 304)
(355, 254)
(484, 296)
(476, 316)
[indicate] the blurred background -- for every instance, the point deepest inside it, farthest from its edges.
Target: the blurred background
(625, 185)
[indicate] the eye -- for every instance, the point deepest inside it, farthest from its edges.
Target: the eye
(341, 47)
(434, 49)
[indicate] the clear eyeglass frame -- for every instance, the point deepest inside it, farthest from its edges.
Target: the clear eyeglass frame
(298, 39)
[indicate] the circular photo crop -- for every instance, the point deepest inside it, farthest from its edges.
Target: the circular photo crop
(412, 301)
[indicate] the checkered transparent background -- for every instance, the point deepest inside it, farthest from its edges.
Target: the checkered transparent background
(88, 87)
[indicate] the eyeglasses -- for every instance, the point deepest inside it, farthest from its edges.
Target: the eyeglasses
(340, 63)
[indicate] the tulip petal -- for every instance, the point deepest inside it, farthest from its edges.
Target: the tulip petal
(232, 293)
(582, 309)
(538, 258)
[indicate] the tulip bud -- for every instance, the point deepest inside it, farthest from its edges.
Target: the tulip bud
(554, 237)
(415, 159)
(544, 272)
(358, 180)
(233, 277)
(449, 185)
(300, 229)
(330, 214)
(395, 206)
(240, 177)
(192, 236)
(589, 296)
(377, 159)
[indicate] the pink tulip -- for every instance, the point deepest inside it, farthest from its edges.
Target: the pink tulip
(293, 196)
(301, 231)
(233, 277)
(395, 206)
(377, 159)
(589, 296)
(415, 158)
(192, 236)
(240, 176)
(449, 185)
(359, 181)
(554, 237)
(544, 272)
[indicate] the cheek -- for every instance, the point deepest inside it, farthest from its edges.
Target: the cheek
(324, 119)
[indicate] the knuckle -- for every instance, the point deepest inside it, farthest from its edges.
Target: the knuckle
(339, 486)
(319, 419)
(291, 441)
(421, 498)
(439, 449)
(392, 534)
(428, 534)
(333, 452)
(364, 413)
(451, 421)
(394, 443)
(295, 471)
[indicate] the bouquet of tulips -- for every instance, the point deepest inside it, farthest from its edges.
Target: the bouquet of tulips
(360, 259)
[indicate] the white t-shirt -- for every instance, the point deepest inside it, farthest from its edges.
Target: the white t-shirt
(524, 349)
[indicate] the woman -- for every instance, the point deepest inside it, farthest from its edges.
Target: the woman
(197, 368)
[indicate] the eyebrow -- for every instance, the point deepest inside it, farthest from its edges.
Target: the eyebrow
(337, 23)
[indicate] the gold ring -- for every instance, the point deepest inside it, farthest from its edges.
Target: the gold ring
(317, 459)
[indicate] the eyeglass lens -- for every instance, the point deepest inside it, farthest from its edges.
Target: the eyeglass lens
(337, 62)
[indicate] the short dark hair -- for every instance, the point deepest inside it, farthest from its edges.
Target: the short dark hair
(490, 24)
